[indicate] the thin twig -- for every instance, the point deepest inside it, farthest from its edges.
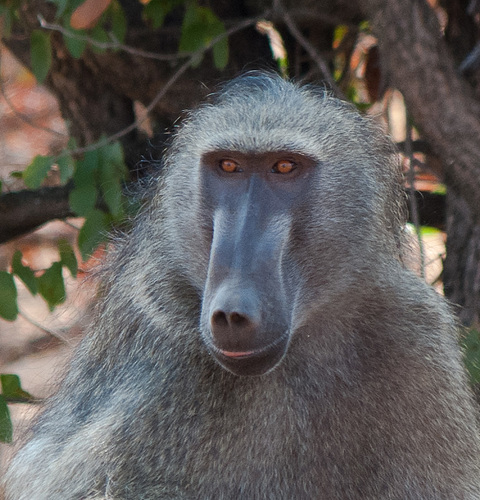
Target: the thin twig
(412, 198)
(136, 123)
(114, 45)
(21, 116)
(183, 68)
(440, 256)
(69, 224)
(49, 331)
(321, 64)
(25, 118)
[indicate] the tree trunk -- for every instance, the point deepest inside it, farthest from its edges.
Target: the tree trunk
(418, 62)
(461, 267)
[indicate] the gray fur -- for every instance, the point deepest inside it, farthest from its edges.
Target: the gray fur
(370, 400)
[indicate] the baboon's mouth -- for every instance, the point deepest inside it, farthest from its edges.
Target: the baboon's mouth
(254, 362)
(236, 354)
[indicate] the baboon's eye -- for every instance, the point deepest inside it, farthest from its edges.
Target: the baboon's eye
(229, 166)
(284, 167)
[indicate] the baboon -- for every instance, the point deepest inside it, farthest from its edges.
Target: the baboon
(257, 335)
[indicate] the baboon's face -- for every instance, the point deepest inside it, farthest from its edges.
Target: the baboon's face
(248, 297)
(275, 198)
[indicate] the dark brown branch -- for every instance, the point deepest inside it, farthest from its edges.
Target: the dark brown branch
(24, 211)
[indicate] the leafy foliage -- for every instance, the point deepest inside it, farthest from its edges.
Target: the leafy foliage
(112, 173)
(36, 172)
(76, 43)
(471, 346)
(98, 178)
(6, 428)
(40, 54)
(49, 283)
(7, 15)
(200, 27)
(93, 232)
(67, 257)
(100, 173)
(97, 195)
(12, 392)
(66, 167)
(8, 297)
(156, 10)
(25, 273)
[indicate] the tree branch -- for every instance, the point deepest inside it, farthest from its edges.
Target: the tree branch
(24, 211)
(321, 64)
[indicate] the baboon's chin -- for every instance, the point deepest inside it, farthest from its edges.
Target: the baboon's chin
(251, 363)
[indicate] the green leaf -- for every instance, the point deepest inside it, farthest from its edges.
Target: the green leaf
(76, 46)
(471, 345)
(112, 173)
(119, 22)
(220, 49)
(113, 153)
(67, 256)
(93, 232)
(86, 171)
(66, 167)
(6, 428)
(8, 297)
(36, 172)
(99, 35)
(51, 285)
(200, 26)
(82, 199)
(40, 54)
(194, 29)
(6, 15)
(220, 53)
(72, 5)
(339, 34)
(12, 389)
(440, 189)
(156, 10)
(25, 273)
(72, 143)
(113, 197)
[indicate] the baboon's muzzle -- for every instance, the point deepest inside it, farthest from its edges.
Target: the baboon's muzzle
(244, 316)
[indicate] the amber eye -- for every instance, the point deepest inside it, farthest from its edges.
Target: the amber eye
(284, 167)
(229, 166)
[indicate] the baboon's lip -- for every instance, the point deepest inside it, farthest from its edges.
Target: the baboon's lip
(236, 354)
(253, 353)
(252, 362)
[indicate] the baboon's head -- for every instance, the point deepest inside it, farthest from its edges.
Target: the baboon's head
(278, 198)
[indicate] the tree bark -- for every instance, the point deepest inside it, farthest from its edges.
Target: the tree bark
(418, 62)
(461, 269)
